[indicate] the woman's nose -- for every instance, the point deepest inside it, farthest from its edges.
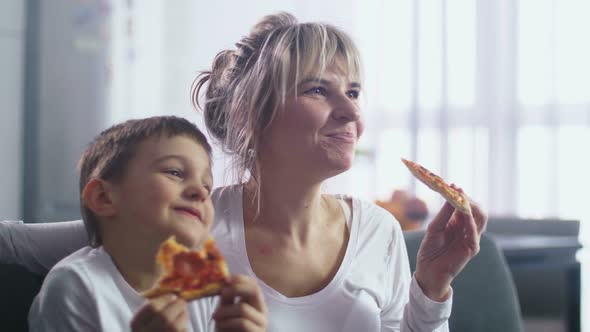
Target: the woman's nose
(346, 109)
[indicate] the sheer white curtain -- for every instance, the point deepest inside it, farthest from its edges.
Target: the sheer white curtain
(493, 95)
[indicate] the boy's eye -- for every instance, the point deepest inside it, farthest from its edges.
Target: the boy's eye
(174, 172)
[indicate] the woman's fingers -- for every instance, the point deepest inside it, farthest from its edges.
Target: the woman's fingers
(480, 217)
(442, 218)
(470, 231)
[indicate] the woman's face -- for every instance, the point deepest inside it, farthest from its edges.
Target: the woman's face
(317, 131)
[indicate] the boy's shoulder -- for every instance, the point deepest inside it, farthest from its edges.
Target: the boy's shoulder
(83, 258)
(70, 298)
(81, 268)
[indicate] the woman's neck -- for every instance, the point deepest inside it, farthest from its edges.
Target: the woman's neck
(288, 209)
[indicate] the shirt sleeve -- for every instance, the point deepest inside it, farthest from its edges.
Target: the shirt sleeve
(64, 304)
(39, 246)
(409, 310)
(427, 314)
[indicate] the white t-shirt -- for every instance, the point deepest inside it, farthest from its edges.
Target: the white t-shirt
(368, 293)
(372, 290)
(86, 292)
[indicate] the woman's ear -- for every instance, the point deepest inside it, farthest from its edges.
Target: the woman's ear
(98, 196)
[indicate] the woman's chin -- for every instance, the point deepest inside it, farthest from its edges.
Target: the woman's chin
(339, 166)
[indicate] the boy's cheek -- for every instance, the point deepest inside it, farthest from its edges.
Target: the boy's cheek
(159, 195)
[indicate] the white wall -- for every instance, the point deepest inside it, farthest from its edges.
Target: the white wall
(72, 101)
(12, 37)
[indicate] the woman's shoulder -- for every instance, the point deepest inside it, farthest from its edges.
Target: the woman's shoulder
(367, 210)
(370, 217)
(227, 202)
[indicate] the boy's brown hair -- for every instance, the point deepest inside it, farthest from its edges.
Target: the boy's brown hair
(109, 153)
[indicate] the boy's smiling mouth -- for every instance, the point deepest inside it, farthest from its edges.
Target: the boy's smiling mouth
(192, 212)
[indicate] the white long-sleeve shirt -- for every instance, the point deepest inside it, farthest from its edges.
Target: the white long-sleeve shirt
(372, 291)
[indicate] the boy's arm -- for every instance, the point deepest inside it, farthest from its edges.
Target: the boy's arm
(39, 246)
(63, 304)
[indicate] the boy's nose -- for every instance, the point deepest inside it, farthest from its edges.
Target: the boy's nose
(198, 193)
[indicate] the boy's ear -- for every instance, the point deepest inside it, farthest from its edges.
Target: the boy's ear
(98, 196)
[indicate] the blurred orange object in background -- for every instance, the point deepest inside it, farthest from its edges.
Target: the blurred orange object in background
(409, 210)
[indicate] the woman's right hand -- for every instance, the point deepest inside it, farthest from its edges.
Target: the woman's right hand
(163, 313)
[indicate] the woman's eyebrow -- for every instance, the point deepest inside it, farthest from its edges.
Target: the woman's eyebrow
(326, 82)
(315, 80)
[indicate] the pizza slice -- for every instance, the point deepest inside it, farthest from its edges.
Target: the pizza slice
(190, 274)
(436, 183)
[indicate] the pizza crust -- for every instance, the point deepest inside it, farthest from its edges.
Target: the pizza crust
(436, 183)
(210, 289)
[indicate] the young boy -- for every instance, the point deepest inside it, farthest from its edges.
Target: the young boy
(140, 182)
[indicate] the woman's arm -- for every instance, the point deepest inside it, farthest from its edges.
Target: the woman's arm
(39, 246)
(405, 307)
(410, 309)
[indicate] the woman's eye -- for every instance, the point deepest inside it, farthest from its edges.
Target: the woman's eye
(318, 90)
(354, 94)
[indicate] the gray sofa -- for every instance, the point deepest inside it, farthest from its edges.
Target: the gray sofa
(484, 298)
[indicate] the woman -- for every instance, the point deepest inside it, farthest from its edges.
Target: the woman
(284, 104)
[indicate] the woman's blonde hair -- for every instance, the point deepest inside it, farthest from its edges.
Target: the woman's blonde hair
(247, 86)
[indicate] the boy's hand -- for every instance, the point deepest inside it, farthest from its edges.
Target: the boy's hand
(242, 307)
(162, 313)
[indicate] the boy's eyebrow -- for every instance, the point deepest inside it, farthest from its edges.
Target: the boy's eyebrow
(181, 158)
(169, 156)
(326, 82)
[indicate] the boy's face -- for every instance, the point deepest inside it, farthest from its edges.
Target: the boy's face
(166, 191)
